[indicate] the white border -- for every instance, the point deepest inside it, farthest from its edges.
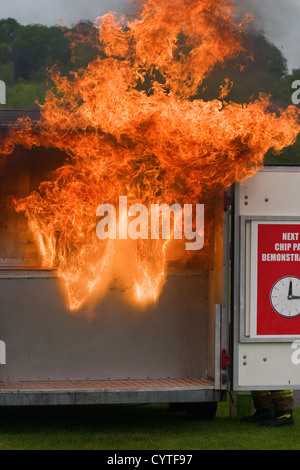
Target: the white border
(253, 277)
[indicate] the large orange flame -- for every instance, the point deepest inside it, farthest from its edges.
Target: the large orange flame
(131, 126)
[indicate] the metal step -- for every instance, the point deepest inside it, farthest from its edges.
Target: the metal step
(87, 392)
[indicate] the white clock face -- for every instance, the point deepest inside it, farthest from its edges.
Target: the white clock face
(285, 296)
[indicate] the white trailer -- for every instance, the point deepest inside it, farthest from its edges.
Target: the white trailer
(189, 348)
(173, 351)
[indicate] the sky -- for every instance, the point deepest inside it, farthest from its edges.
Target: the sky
(279, 19)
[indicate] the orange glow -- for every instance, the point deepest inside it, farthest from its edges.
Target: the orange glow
(154, 144)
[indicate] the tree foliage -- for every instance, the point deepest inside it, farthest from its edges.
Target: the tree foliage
(27, 53)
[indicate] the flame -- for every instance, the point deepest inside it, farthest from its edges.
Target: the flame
(130, 125)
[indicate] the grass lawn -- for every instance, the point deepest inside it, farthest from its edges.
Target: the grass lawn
(149, 427)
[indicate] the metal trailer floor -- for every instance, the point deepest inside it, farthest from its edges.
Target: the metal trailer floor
(103, 392)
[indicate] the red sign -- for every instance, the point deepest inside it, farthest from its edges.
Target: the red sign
(278, 279)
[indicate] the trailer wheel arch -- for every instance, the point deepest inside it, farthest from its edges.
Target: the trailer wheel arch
(202, 410)
(198, 410)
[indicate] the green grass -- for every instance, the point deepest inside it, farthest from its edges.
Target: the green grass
(150, 427)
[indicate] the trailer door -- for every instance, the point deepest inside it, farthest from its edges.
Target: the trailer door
(266, 281)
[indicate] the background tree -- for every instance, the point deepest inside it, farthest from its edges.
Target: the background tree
(261, 68)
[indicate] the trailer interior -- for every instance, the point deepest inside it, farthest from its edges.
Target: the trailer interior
(113, 352)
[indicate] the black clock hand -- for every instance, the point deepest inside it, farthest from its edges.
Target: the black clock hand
(290, 294)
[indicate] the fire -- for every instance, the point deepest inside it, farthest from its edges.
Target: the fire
(131, 127)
